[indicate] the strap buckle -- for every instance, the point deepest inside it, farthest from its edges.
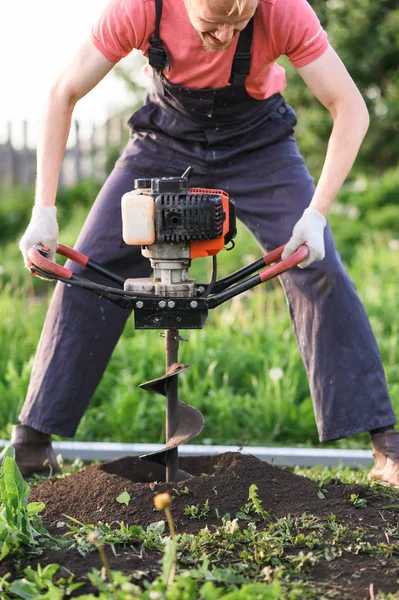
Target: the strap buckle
(157, 57)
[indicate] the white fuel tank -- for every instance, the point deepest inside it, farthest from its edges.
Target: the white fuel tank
(138, 218)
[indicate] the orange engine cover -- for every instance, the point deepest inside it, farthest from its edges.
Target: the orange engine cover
(211, 247)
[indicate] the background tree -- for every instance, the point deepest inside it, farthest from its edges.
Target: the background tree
(365, 35)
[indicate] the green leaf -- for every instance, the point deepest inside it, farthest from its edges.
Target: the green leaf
(157, 527)
(17, 490)
(74, 520)
(11, 488)
(257, 502)
(24, 589)
(19, 523)
(243, 517)
(50, 570)
(124, 498)
(5, 550)
(35, 507)
(10, 451)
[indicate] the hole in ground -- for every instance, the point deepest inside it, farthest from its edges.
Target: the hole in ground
(145, 471)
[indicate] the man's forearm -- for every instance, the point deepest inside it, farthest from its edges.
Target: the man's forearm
(350, 126)
(86, 70)
(332, 85)
(51, 146)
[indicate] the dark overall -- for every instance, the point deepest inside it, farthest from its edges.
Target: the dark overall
(246, 147)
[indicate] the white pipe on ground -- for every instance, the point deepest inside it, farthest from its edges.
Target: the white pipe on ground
(304, 457)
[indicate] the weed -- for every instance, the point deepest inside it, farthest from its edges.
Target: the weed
(181, 492)
(118, 587)
(40, 584)
(149, 538)
(197, 512)
(253, 506)
(19, 521)
(357, 501)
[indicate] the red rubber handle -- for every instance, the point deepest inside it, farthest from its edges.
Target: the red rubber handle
(74, 255)
(292, 261)
(37, 259)
(37, 256)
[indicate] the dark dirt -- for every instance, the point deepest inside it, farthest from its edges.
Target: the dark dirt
(90, 496)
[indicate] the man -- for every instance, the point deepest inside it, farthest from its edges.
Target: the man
(216, 105)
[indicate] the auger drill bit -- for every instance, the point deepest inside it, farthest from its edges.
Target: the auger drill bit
(183, 422)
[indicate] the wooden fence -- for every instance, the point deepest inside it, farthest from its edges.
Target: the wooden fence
(87, 156)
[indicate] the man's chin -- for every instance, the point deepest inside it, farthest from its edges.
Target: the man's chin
(215, 47)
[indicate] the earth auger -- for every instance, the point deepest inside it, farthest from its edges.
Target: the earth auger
(173, 224)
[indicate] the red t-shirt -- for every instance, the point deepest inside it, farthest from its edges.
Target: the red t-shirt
(281, 27)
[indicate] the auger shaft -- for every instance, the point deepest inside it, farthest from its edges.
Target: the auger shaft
(172, 408)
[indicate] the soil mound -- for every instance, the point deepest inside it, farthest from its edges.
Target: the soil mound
(222, 480)
(221, 485)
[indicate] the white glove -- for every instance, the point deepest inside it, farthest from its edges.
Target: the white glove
(42, 229)
(309, 230)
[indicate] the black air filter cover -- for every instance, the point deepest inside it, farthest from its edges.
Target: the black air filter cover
(188, 217)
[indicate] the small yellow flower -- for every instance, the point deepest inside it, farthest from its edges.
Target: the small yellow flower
(162, 501)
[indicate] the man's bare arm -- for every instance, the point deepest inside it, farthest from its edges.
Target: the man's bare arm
(334, 88)
(332, 85)
(85, 71)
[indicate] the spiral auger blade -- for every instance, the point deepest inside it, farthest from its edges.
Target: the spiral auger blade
(183, 422)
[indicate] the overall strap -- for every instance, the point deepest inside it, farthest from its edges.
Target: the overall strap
(157, 56)
(242, 57)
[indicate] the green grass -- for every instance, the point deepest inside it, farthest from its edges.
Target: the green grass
(232, 356)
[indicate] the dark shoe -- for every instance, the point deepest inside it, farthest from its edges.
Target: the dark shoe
(33, 451)
(386, 457)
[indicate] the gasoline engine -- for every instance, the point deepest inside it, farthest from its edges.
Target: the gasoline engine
(173, 224)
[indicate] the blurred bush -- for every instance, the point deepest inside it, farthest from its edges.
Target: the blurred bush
(365, 35)
(16, 206)
(81, 194)
(365, 205)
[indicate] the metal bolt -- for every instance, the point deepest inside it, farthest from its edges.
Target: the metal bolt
(193, 304)
(171, 304)
(162, 304)
(139, 304)
(201, 289)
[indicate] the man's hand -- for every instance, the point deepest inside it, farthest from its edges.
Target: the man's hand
(42, 229)
(310, 231)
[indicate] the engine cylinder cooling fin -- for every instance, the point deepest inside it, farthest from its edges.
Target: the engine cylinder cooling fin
(183, 422)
